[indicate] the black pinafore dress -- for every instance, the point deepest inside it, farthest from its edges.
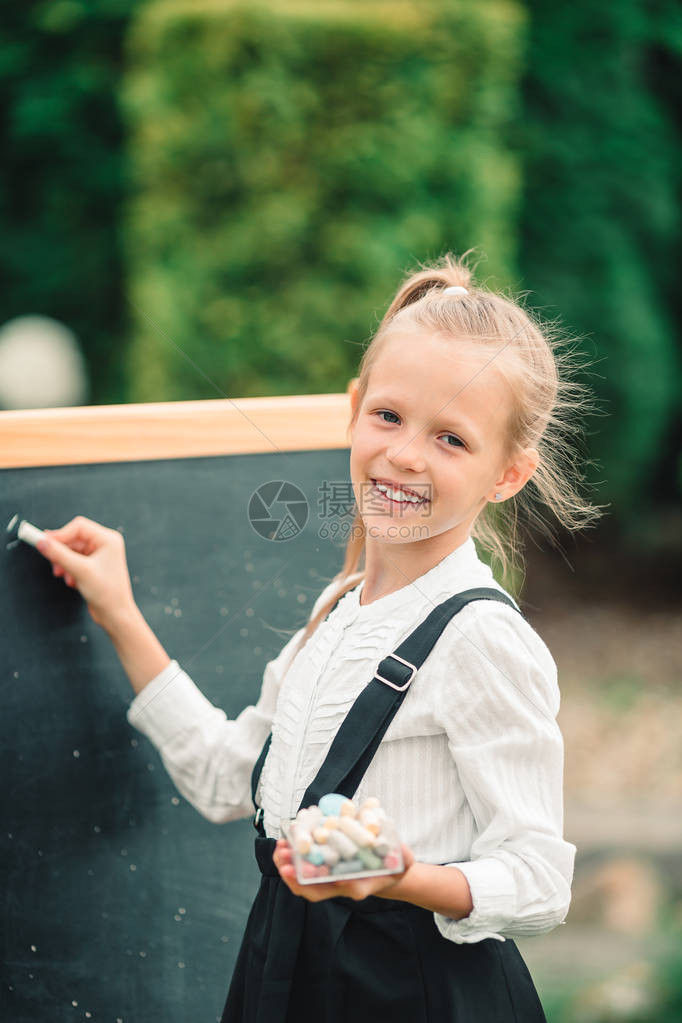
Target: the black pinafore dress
(347, 961)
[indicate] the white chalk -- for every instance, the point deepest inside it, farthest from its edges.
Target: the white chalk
(24, 531)
(31, 534)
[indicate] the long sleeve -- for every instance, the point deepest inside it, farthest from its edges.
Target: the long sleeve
(499, 711)
(208, 757)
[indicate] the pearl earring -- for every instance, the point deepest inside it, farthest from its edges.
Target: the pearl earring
(498, 497)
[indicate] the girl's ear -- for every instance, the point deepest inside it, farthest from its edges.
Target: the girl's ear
(518, 473)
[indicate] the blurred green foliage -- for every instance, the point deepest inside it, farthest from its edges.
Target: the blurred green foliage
(600, 231)
(646, 990)
(222, 197)
(289, 161)
(63, 174)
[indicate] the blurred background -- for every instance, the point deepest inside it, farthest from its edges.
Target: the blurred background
(206, 199)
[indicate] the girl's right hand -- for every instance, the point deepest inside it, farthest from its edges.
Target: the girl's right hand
(91, 558)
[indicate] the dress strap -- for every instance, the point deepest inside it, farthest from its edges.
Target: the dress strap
(258, 767)
(367, 721)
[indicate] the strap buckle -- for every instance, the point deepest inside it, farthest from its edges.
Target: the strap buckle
(396, 657)
(258, 817)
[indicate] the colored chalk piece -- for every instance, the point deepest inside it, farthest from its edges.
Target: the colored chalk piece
(340, 840)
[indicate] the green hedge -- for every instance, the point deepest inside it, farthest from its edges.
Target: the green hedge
(289, 161)
(63, 175)
(600, 231)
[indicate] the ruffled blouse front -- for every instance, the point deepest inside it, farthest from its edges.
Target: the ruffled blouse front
(470, 768)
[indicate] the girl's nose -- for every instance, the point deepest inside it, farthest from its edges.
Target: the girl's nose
(407, 456)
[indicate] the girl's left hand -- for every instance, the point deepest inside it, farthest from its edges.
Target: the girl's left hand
(360, 889)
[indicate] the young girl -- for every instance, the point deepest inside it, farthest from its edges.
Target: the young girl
(458, 412)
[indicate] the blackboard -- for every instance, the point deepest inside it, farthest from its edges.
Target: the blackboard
(121, 902)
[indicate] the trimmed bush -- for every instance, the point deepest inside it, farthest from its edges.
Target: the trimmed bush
(63, 173)
(600, 227)
(289, 161)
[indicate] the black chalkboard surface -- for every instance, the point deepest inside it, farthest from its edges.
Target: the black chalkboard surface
(122, 903)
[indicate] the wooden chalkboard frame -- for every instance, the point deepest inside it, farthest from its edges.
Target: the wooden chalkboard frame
(175, 429)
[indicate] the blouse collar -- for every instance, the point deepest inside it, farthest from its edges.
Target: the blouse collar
(459, 569)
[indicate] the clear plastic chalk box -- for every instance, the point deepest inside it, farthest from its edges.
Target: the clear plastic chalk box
(340, 840)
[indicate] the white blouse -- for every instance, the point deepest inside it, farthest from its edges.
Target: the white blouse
(470, 768)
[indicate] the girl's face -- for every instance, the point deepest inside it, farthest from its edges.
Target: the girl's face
(433, 421)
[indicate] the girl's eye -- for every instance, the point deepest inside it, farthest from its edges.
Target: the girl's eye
(458, 443)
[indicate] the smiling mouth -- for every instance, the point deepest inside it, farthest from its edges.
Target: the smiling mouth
(409, 500)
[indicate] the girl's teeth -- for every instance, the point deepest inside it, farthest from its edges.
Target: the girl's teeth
(398, 495)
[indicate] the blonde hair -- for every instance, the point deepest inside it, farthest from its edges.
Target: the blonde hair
(547, 408)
